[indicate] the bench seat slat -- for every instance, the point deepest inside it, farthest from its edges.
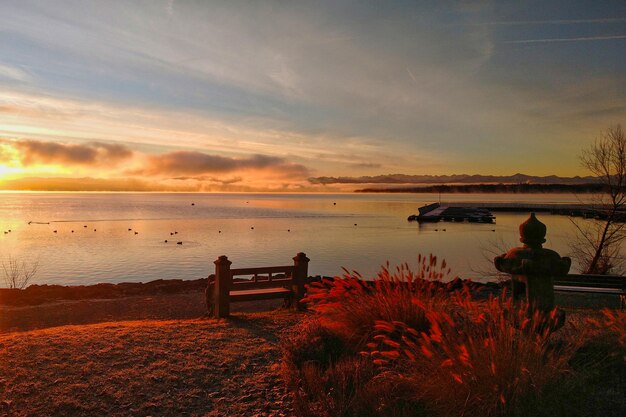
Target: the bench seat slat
(259, 294)
(590, 284)
(568, 288)
(260, 284)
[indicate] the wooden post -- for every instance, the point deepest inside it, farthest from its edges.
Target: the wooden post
(300, 275)
(222, 287)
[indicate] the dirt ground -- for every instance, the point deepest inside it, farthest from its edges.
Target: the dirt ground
(160, 357)
(149, 355)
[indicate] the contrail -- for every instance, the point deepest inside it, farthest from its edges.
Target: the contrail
(552, 22)
(586, 39)
(411, 74)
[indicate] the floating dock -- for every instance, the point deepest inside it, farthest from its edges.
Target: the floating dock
(480, 212)
(436, 212)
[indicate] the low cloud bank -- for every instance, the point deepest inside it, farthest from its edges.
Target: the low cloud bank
(33, 152)
(198, 163)
(99, 166)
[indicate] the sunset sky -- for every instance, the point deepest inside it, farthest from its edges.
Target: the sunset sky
(241, 96)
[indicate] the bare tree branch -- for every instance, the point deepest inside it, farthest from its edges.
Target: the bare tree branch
(597, 246)
(18, 274)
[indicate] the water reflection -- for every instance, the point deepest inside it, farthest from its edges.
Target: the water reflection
(252, 229)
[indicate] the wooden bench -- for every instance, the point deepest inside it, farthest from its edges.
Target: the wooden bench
(286, 282)
(593, 284)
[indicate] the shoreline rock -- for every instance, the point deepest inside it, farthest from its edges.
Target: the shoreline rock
(40, 294)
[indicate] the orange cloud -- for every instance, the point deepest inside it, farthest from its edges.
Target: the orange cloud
(94, 153)
(198, 163)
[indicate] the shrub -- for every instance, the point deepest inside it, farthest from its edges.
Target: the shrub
(326, 382)
(487, 358)
(403, 345)
(350, 306)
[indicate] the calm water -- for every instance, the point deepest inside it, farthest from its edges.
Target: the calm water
(254, 232)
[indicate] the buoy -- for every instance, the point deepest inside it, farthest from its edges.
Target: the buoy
(165, 240)
(252, 228)
(72, 231)
(193, 204)
(219, 231)
(130, 230)
(54, 231)
(171, 233)
(85, 226)
(289, 230)
(94, 230)
(355, 224)
(334, 204)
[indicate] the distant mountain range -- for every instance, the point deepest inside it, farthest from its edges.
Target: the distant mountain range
(490, 188)
(454, 179)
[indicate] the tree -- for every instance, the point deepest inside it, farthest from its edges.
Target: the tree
(17, 274)
(597, 245)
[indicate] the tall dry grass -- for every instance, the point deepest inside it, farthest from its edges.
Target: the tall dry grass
(350, 306)
(486, 358)
(401, 345)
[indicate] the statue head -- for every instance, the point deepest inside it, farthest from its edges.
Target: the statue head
(532, 232)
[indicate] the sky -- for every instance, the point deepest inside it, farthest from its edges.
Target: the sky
(270, 95)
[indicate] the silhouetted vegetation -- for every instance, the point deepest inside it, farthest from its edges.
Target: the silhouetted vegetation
(403, 346)
(18, 273)
(598, 242)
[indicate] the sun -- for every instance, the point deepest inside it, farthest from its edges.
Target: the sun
(8, 172)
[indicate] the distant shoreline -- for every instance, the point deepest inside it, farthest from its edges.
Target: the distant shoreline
(494, 189)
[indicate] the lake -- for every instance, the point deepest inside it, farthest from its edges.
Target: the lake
(360, 232)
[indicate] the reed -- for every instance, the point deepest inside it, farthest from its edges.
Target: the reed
(401, 345)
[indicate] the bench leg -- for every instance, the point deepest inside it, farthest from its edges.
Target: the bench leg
(210, 298)
(288, 302)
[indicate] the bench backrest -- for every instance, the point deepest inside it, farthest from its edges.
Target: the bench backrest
(590, 280)
(263, 277)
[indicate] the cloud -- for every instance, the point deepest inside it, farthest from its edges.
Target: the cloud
(33, 152)
(210, 179)
(248, 79)
(198, 163)
(13, 73)
(87, 184)
(366, 165)
(5, 156)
